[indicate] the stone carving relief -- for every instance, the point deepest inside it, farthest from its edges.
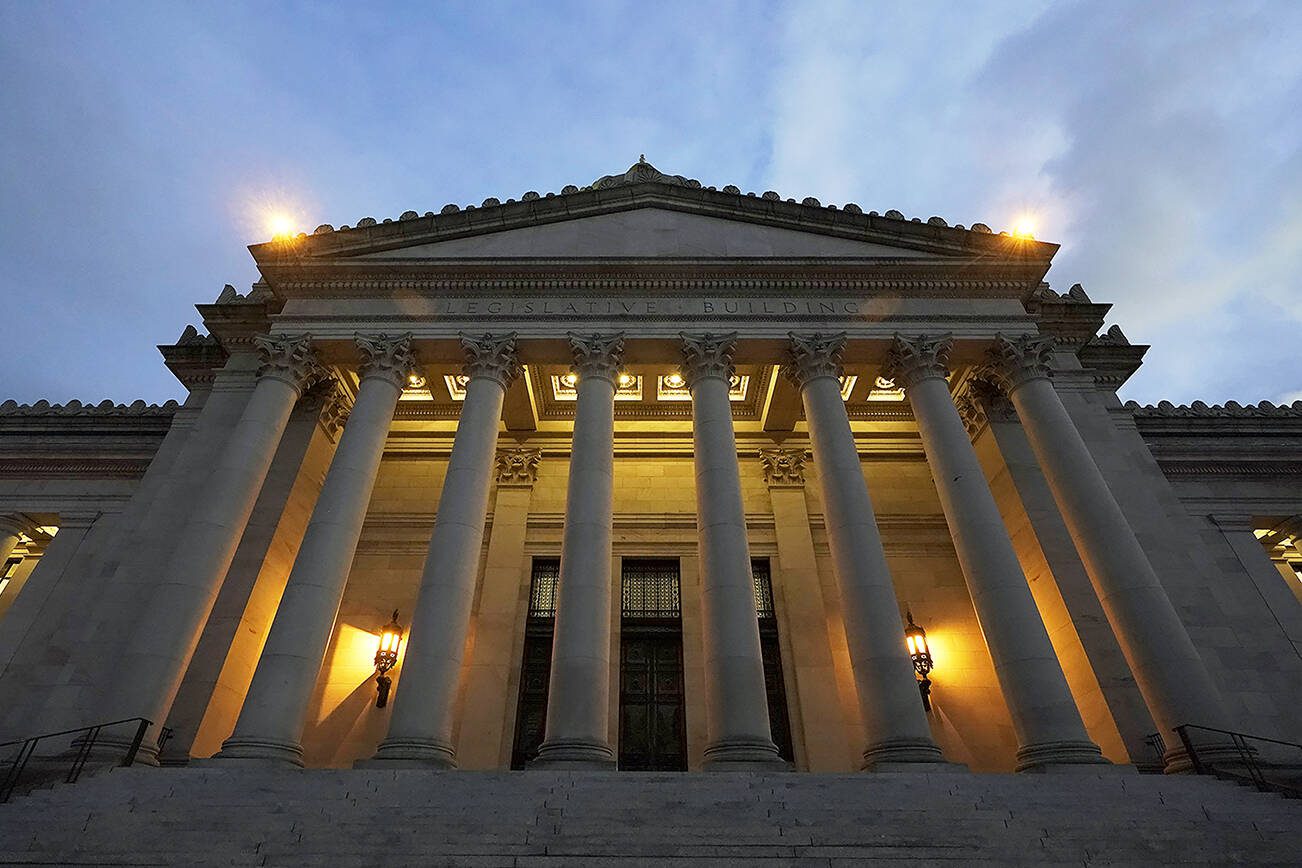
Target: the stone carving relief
(784, 467)
(911, 361)
(491, 356)
(385, 357)
(289, 358)
(597, 355)
(810, 356)
(1014, 362)
(518, 466)
(981, 402)
(708, 355)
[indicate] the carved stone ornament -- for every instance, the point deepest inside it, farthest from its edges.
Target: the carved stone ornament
(518, 466)
(331, 402)
(784, 467)
(912, 361)
(1013, 363)
(643, 172)
(289, 358)
(385, 357)
(708, 355)
(491, 356)
(597, 355)
(811, 356)
(980, 403)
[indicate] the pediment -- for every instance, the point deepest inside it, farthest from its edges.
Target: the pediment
(647, 232)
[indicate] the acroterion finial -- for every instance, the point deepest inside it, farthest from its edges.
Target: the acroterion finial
(641, 158)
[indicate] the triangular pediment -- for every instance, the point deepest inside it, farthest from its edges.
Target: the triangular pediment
(644, 213)
(647, 232)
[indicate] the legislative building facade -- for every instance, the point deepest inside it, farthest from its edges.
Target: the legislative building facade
(654, 476)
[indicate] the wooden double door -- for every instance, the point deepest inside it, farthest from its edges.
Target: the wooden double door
(652, 707)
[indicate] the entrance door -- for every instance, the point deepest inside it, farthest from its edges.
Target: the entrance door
(652, 719)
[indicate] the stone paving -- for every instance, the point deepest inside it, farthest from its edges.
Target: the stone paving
(213, 816)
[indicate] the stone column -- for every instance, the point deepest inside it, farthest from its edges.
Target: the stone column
(498, 615)
(1049, 728)
(893, 717)
(270, 726)
(420, 731)
(1166, 665)
(814, 689)
(578, 695)
(736, 709)
(158, 652)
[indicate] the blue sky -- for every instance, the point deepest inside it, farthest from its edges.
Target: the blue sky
(142, 143)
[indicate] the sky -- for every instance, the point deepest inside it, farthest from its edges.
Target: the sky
(142, 146)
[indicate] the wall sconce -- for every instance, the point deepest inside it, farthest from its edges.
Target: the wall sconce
(385, 657)
(916, 638)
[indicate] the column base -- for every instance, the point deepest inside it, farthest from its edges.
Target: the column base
(1060, 756)
(904, 754)
(743, 755)
(411, 753)
(1176, 760)
(567, 754)
(258, 752)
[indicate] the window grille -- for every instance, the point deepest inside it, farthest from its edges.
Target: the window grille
(542, 587)
(11, 567)
(759, 568)
(650, 588)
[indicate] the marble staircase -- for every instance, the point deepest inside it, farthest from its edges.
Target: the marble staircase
(213, 816)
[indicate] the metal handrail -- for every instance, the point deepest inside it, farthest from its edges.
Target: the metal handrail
(1249, 758)
(84, 746)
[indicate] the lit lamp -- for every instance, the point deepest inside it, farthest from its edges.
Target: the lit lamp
(385, 656)
(916, 638)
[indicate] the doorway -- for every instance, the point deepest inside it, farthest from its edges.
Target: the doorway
(652, 717)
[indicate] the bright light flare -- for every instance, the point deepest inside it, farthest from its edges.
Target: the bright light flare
(1024, 227)
(280, 225)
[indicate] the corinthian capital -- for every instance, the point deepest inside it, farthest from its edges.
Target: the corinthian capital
(981, 402)
(385, 358)
(912, 361)
(597, 355)
(811, 356)
(707, 355)
(518, 466)
(784, 467)
(491, 356)
(1013, 363)
(289, 358)
(331, 404)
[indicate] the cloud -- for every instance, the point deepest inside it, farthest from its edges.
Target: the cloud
(1158, 142)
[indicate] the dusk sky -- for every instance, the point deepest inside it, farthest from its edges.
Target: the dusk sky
(143, 146)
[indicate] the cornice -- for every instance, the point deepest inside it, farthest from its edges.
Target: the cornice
(1112, 359)
(194, 359)
(115, 468)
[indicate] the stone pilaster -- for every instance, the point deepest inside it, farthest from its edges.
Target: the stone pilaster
(578, 699)
(1050, 732)
(736, 709)
(270, 726)
(893, 717)
(420, 730)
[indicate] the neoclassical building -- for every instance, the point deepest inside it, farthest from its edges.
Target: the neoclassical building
(655, 476)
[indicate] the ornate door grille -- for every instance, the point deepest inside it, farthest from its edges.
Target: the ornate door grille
(771, 653)
(536, 665)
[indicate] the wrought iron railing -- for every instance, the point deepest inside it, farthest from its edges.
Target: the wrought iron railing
(1268, 764)
(83, 743)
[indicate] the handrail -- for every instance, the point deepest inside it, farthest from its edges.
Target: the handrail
(1249, 760)
(84, 746)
